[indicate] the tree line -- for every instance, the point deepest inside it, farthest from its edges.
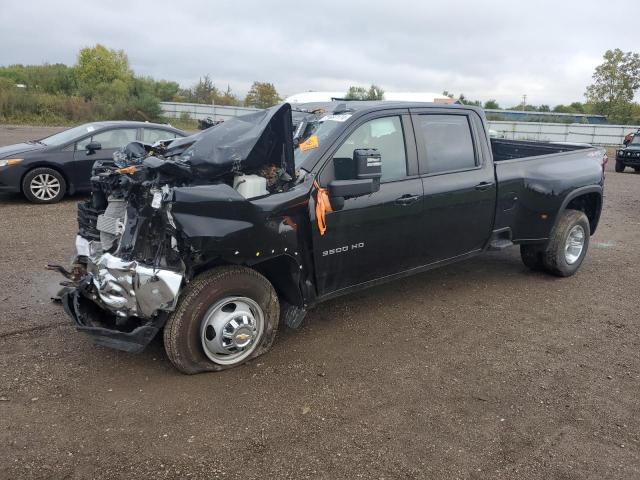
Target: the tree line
(102, 86)
(615, 83)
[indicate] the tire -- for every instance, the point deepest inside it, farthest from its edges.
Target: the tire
(532, 257)
(637, 169)
(44, 185)
(555, 257)
(619, 167)
(186, 333)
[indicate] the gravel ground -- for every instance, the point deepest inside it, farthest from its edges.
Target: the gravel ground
(477, 370)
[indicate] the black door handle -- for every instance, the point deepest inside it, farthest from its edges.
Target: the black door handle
(484, 185)
(407, 199)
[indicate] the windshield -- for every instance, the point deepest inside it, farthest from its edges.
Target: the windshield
(69, 135)
(635, 140)
(316, 134)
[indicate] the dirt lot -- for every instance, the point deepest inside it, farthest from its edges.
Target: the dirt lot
(478, 370)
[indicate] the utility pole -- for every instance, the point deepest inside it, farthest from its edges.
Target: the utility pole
(524, 101)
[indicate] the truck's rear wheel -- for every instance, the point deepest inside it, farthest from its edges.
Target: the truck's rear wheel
(226, 317)
(568, 244)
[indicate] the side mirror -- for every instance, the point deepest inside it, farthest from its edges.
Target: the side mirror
(356, 176)
(92, 147)
(368, 163)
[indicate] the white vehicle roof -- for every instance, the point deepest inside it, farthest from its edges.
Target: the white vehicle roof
(312, 97)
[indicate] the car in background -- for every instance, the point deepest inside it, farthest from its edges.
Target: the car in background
(629, 156)
(46, 170)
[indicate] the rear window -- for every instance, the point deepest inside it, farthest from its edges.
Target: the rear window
(447, 143)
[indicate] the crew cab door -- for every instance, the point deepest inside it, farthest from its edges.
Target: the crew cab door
(373, 235)
(458, 180)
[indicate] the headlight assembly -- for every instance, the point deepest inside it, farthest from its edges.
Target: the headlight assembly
(10, 162)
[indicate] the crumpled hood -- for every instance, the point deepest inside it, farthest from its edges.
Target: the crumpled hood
(240, 144)
(18, 148)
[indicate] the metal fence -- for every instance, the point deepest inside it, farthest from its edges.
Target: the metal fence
(545, 132)
(563, 132)
(198, 111)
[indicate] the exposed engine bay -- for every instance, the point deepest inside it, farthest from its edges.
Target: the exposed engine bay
(159, 212)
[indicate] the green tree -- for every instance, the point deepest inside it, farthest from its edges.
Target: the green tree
(227, 98)
(204, 91)
(98, 67)
(362, 93)
(615, 82)
(356, 93)
(262, 95)
(375, 93)
(491, 104)
(465, 101)
(577, 107)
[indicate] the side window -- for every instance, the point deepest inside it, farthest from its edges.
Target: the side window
(110, 139)
(448, 143)
(154, 135)
(386, 135)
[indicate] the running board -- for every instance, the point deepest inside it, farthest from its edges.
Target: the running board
(500, 244)
(500, 239)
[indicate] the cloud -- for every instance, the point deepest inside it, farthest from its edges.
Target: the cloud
(493, 49)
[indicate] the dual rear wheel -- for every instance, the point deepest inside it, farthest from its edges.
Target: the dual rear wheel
(564, 252)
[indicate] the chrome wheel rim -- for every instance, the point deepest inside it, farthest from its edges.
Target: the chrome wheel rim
(45, 186)
(574, 245)
(231, 330)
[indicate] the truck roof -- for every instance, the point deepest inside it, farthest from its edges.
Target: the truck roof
(362, 106)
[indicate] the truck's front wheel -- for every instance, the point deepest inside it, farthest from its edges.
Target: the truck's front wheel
(225, 317)
(619, 167)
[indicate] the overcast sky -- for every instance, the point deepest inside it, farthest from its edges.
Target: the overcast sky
(485, 49)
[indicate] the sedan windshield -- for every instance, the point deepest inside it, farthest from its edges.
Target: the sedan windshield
(69, 135)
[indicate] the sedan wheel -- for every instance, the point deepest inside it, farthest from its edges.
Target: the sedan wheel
(43, 185)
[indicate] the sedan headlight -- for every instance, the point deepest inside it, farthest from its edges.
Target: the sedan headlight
(10, 162)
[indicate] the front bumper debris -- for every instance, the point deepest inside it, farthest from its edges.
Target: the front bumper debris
(122, 304)
(130, 288)
(91, 320)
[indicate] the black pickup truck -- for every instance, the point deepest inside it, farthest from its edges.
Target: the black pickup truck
(220, 237)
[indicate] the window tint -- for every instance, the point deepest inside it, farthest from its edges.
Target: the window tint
(386, 135)
(448, 143)
(117, 138)
(153, 135)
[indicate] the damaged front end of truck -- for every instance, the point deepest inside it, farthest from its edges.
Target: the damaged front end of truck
(159, 215)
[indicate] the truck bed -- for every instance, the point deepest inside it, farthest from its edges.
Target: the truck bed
(512, 149)
(537, 179)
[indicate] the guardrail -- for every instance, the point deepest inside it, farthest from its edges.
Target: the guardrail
(606, 135)
(199, 111)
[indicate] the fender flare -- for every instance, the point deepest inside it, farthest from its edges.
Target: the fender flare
(575, 194)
